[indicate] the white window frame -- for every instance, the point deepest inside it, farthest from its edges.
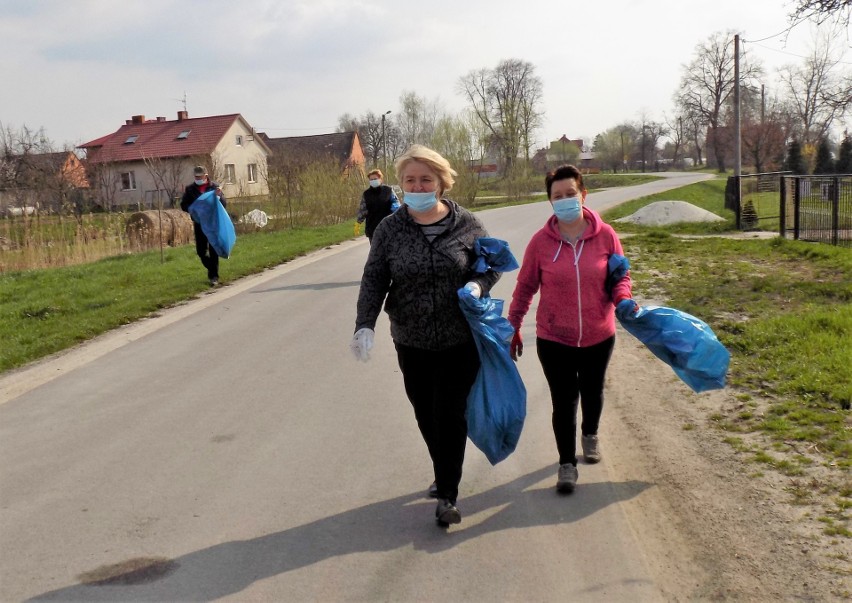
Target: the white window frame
(130, 181)
(239, 140)
(230, 173)
(252, 172)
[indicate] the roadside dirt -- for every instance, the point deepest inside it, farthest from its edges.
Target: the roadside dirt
(718, 527)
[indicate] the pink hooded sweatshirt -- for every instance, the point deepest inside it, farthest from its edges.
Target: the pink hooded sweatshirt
(574, 308)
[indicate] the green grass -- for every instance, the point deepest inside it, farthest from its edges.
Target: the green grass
(46, 311)
(784, 311)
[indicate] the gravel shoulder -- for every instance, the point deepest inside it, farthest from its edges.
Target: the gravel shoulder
(715, 526)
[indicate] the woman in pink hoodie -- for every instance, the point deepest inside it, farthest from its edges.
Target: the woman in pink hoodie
(567, 261)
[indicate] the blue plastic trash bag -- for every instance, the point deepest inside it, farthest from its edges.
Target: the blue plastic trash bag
(684, 342)
(617, 267)
(497, 403)
(215, 222)
(493, 254)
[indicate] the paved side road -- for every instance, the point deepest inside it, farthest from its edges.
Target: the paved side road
(232, 449)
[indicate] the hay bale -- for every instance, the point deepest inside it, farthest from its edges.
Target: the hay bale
(146, 229)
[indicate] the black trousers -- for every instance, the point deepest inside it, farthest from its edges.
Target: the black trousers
(574, 374)
(437, 385)
(205, 251)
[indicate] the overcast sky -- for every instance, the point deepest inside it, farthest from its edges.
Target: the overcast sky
(80, 68)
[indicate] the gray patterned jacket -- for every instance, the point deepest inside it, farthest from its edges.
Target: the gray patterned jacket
(417, 280)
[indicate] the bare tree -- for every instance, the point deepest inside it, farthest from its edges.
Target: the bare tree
(460, 140)
(168, 177)
(677, 135)
(506, 100)
(105, 180)
(817, 95)
(707, 84)
(614, 147)
(821, 11)
(417, 119)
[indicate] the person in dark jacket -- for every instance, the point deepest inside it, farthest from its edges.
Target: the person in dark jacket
(205, 251)
(420, 257)
(377, 203)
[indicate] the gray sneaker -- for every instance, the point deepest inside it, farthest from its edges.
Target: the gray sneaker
(591, 449)
(567, 478)
(447, 512)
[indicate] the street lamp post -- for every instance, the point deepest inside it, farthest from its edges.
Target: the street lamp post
(643, 146)
(384, 141)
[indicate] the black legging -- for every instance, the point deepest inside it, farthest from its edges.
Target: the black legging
(437, 385)
(572, 374)
(205, 252)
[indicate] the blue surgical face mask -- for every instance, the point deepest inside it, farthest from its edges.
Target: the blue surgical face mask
(200, 182)
(567, 210)
(375, 182)
(420, 201)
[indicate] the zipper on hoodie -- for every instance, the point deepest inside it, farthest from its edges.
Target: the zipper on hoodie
(576, 263)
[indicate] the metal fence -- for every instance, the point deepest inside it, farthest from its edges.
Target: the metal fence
(806, 208)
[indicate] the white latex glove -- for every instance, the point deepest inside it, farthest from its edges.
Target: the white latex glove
(362, 343)
(474, 289)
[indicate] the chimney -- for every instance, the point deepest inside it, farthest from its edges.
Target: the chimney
(138, 119)
(127, 122)
(161, 119)
(182, 115)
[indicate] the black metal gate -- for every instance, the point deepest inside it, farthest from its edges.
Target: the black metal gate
(807, 208)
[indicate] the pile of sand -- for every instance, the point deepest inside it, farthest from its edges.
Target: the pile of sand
(660, 213)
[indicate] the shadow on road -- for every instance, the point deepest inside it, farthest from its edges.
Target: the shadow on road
(230, 567)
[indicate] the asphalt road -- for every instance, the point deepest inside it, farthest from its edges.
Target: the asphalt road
(232, 449)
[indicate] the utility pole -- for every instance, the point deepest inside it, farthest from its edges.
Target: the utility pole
(643, 146)
(738, 158)
(384, 142)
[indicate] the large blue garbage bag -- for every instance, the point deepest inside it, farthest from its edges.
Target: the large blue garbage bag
(684, 342)
(497, 403)
(493, 254)
(208, 211)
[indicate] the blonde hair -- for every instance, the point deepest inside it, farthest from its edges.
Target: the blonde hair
(432, 159)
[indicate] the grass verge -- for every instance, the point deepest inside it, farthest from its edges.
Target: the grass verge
(47, 311)
(784, 310)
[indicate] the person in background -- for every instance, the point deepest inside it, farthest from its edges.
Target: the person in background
(419, 258)
(377, 203)
(567, 262)
(205, 251)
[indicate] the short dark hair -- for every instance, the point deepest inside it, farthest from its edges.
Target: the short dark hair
(564, 172)
(200, 170)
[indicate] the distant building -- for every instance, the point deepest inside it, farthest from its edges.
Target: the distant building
(342, 147)
(150, 161)
(42, 181)
(562, 151)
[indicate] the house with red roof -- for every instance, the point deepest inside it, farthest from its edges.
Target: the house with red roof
(44, 181)
(149, 161)
(342, 147)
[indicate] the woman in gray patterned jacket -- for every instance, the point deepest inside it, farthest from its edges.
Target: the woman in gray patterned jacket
(420, 257)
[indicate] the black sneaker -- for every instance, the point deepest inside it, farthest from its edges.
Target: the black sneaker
(433, 490)
(446, 512)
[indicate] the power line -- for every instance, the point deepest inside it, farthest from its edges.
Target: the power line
(792, 54)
